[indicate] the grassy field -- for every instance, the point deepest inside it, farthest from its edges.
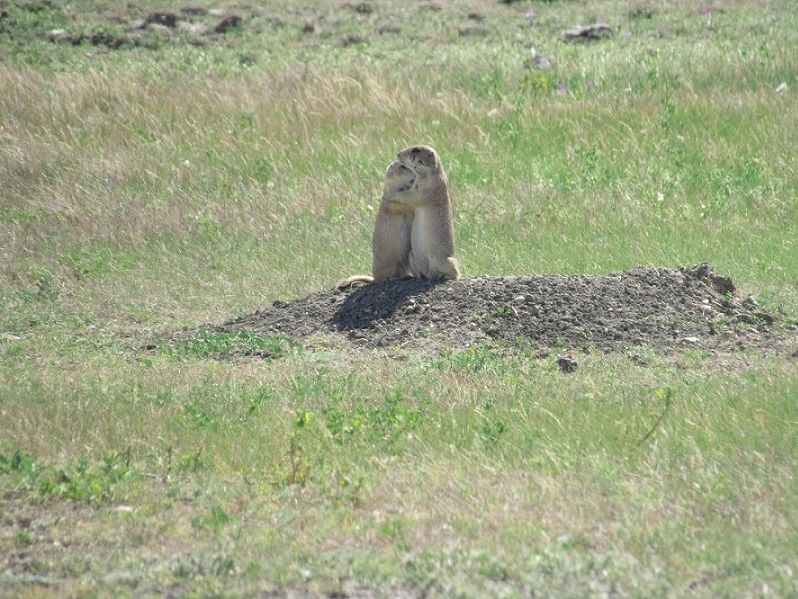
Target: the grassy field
(160, 178)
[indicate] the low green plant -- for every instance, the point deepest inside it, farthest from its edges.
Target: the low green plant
(81, 481)
(208, 344)
(215, 520)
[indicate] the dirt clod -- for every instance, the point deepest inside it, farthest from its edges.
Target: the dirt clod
(227, 23)
(567, 363)
(588, 32)
(363, 8)
(352, 40)
(167, 19)
(658, 307)
(193, 11)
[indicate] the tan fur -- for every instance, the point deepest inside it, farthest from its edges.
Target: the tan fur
(432, 231)
(390, 244)
(413, 235)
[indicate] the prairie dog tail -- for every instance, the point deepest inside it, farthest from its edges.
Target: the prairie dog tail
(349, 281)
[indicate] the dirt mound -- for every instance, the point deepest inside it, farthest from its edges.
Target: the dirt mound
(653, 306)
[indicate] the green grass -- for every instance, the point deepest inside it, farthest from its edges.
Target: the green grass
(205, 344)
(165, 184)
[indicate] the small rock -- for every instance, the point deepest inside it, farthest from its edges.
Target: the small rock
(59, 35)
(363, 8)
(162, 30)
(193, 28)
(542, 62)
(107, 40)
(217, 12)
(193, 11)
(167, 19)
(351, 40)
(750, 302)
(229, 22)
(587, 32)
(641, 12)
(567, 362)
(782, 87)
(692, 340)
(712, 10)
(137, 24)
(764, 317)
(472, 30)
(723, 284)
(705, 309)
(412, 307)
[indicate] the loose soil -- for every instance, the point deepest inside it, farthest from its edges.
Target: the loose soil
(659, 307)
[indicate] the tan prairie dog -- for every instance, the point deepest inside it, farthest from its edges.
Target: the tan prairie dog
(390, 244)
(432, 230)
(413, 235)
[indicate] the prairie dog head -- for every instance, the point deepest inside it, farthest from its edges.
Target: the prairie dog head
(422, 160)
(398, 178)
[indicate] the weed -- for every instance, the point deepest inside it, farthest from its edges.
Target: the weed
(197, 416)
(666, 397)
(23, 537)
(215, 520)
(393, 528)
(505, 311)
(46, 289)
(475, 359)
(492, 430)
(297, 469)
(82, 481)
(349, 486)
(391, 418)
(255, 401)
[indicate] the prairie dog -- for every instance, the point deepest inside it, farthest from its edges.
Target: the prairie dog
(432, 230)
(390, 244)
(414, 234)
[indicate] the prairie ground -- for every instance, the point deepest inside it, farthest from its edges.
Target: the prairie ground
(169, 164)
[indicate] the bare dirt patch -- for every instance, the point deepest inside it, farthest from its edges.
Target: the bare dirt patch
(660, 307)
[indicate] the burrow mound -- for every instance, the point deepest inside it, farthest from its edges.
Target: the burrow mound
(659, 307)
